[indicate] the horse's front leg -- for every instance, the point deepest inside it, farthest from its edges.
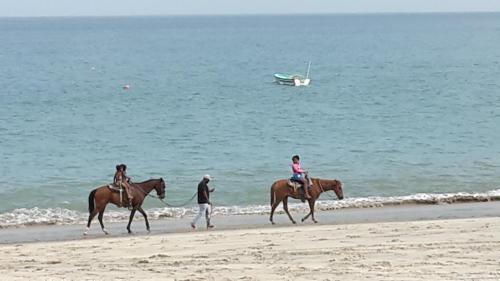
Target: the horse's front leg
(132, 213)
(305, 218)
(285, 207)
(311, 208)
(145, 218)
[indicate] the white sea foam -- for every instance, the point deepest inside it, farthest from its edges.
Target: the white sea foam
(60, 216)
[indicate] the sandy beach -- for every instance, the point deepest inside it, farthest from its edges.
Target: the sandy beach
(451, 249)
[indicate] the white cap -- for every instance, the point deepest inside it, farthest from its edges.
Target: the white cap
(207, 177)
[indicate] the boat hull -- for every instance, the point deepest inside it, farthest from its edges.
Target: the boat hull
(291, 80)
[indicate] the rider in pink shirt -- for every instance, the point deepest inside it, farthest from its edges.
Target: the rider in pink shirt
(297, 169)
(300, 175)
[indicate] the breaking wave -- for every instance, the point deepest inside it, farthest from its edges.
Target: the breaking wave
(61, 216)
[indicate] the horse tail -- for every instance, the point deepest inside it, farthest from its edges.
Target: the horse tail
(91, 200)
(273, 194)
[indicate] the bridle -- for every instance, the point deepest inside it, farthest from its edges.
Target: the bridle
(324, 191)
(147, 193)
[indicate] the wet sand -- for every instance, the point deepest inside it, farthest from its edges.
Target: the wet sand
(335, 217)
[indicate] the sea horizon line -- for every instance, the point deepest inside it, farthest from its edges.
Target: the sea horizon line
(408, 13)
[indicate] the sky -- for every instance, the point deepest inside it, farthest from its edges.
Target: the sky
(28, 8)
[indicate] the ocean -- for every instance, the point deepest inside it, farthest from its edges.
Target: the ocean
(402, 108)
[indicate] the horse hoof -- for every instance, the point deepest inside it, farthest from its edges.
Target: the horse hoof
(149, 231)
(105, 231)
(302, 220)
(85, 233)
(272, 223)
(294, 222)
(315, 221)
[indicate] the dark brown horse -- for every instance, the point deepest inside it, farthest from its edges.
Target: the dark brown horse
(280, 191)
(101, 196)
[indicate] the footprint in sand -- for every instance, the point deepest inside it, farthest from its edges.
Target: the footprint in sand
(159, 256)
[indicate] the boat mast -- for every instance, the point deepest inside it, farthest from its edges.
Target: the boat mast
(308, 68)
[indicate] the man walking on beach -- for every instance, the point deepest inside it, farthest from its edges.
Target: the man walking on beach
(204, 202)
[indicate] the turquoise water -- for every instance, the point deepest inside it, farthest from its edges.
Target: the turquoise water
(399, 104)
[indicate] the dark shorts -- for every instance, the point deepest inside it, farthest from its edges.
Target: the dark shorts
(297, 177)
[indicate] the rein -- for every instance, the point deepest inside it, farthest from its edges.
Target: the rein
(320, 186)
(325, 191)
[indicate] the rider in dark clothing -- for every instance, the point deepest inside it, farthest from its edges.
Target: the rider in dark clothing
(121, 180)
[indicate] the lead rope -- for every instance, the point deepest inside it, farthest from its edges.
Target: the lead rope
(164, 202)
(176, 206)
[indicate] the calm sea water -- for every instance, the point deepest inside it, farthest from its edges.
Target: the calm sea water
(399, 105)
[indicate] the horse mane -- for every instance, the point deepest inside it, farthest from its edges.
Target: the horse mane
(333, 181)
(147, 181)
(320, 179)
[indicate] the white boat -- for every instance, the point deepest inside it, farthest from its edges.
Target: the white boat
(293, 79)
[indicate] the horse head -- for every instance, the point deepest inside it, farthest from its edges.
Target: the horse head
(336, 186)
(160, 188)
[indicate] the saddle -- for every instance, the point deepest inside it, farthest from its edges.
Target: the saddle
(115, 188)
(297, 186)
(294, 184)
(121, 190)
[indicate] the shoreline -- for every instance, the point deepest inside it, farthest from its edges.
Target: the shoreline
(49, 233)
(57, 215)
